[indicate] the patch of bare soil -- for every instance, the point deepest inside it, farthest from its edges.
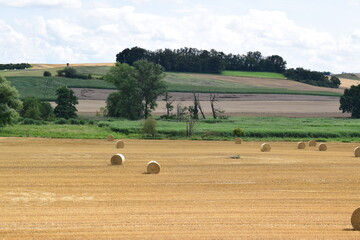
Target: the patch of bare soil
(67, 189)
(91, 100)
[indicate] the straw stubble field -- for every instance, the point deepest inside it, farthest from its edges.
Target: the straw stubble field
(67, 189)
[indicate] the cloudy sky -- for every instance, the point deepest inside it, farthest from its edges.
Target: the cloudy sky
(315, 34)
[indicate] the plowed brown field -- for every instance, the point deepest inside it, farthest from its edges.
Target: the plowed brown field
(67, 189)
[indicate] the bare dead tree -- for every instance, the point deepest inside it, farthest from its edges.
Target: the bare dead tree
(168, 100)
(213, 99)
(198, 105)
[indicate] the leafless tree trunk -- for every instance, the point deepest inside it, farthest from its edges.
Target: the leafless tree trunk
(198, 105)
(169, 102)
(213, 99)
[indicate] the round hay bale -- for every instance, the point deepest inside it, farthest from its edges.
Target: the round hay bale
(322, 147)
(117, 159)
(153, 167)
(312, 143)
(357, 152)
(301, 145)
(238, 140)
(110, 138)
(120, 144)
(265, 147)
(355, 219)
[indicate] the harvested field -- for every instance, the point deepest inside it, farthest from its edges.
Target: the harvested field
(234, 104)
(67, 189)
(264, 106)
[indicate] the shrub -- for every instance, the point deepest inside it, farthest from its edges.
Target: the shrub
(28, 121)
(61, 121)
(238, 132)
(47, 74)
(74, 121)
(149, 127)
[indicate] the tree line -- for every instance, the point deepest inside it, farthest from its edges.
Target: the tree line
(203, 61)
(312, 77)
(12, 66)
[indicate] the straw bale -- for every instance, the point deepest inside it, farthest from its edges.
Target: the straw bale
(110, 138)
(238, 140)
(355, 219)
(120, 144)
(301, 145)
(357, 152)
(322, 147)
(312, 143)
(153, 167)
(117, 159)
(265, 147)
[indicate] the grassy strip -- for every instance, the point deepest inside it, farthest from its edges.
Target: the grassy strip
(254, 74)
(255, 128)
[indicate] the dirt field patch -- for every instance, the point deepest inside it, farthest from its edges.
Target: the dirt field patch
(67, 189)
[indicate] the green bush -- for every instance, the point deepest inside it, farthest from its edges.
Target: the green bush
(238, 132)
(61, 121)
(47, 74)
(74, 121)
(149, 127)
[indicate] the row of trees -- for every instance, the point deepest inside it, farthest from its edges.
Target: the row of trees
(312, 77)
(12, 66)
(203, 61)
(11, 107)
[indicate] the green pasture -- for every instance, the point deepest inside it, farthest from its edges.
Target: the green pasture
(253, 74)
(178, 82)
(45, 87)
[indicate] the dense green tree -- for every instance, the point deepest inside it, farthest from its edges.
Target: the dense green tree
(31, 108)
(66, 101)
(46, 111)
(10, 103)
(139, 86)
(127, 102)
(335, 81)
(350, 101)
(149, 77)
(67, 72)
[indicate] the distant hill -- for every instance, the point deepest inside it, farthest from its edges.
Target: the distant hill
(32, 82)
(353, 76)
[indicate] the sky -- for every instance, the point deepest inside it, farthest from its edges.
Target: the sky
(318, 35)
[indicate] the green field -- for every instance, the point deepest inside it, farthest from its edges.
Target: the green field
(177, 82)
(255, 128)
(45, 87)
(254, 74)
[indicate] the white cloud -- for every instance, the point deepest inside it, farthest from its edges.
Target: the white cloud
(45, 3)
(355, 3)
(98, 34)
